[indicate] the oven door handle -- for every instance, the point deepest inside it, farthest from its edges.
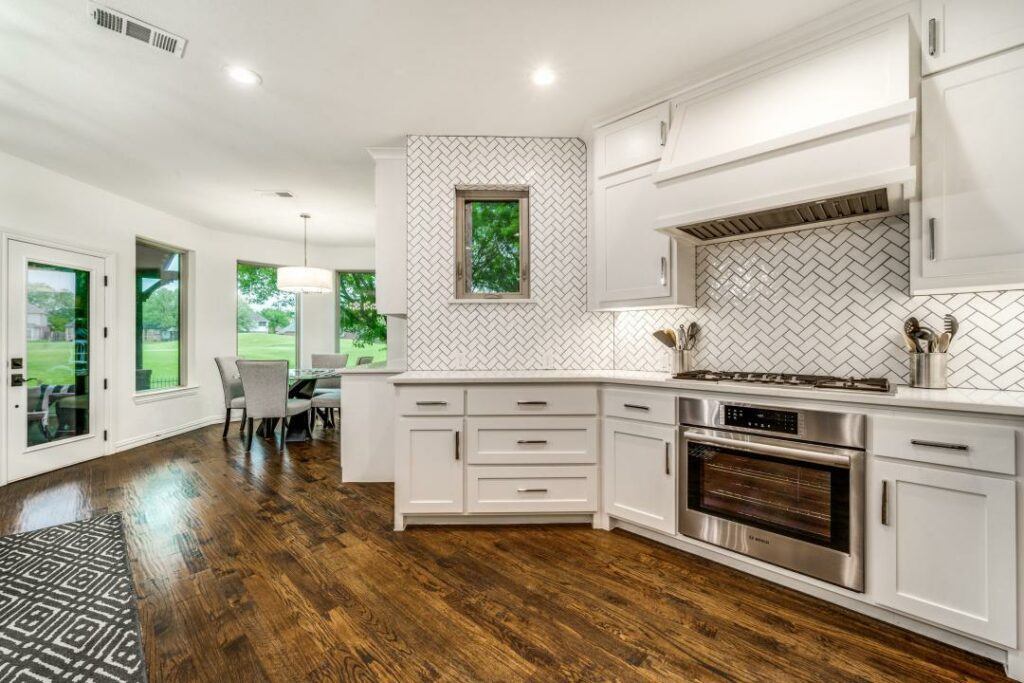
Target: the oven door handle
(787, 452)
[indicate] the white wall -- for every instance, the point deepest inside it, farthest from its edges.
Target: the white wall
(37, 202)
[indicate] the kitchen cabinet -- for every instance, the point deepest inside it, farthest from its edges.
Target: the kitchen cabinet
(631, 141)
(389, 240)
(639, 467)
(969, 236)
(429, 457)
(956, 31)
(635, 266)
(942, 547)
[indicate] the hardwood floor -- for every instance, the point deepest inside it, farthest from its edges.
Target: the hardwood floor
(265, 567)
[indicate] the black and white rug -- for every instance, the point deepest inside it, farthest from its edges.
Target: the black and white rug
(67, 605)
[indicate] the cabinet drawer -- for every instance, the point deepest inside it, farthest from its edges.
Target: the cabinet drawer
(532, 399)
(650, 406)
(954, 443)
(532, 489)
(431, 401)
(531, 440)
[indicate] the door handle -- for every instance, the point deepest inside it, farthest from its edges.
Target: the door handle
(885, 502)
(662, 133)
(663, 276)
(668, 459)
(931, 239)
(932, 37)
(18, 380)
(456, 445)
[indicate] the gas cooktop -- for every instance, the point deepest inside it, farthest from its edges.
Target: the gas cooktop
(781, 379)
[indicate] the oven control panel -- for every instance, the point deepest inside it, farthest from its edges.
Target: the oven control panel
(762, 419)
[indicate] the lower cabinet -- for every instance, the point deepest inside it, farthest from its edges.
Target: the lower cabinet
(558, 488)
(429, 457)
(639, 469)
(942, 547)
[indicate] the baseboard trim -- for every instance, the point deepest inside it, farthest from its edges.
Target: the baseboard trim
(136, 441)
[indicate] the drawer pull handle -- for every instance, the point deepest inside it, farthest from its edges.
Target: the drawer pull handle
(524, 442)
(885, 502)
(635, 406)
(940, 444)
(431, 403)
(531, 403)
(531, 490)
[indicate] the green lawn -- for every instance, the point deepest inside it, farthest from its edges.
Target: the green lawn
(378, 351)
(51, 362)
(263, 346)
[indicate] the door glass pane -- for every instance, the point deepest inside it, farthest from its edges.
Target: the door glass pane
(362, 332)
(157, 317)
(57, 353)
(798, 499)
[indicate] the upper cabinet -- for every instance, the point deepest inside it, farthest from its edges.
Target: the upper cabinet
(632, 265)
(970, 235)
(630, 142)
(389, 243)
(957, 31)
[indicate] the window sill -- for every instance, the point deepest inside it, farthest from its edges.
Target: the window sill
(165, 394)
(488, 302)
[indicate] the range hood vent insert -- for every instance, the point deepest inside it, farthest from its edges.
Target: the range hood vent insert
(851, 206)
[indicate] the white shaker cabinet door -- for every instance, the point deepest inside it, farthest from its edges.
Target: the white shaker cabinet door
(634, 262)
(943, 547)
(640, 473)
(429, 457)
(972, 230)
(957, 31)
(633, 141)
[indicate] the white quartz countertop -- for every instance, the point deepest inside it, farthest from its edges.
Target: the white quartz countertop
(966, 400)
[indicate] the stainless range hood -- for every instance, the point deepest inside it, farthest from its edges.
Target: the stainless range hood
(799, 216)
(819, 136)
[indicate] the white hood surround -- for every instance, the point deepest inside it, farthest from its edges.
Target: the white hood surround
(815, 137)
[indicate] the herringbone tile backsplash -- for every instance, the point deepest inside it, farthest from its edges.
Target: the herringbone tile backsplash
(826, 301)
(555, 331)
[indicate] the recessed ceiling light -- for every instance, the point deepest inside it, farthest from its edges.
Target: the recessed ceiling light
(543, 76)
(239, 74)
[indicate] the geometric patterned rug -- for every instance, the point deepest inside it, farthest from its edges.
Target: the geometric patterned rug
(67, 605)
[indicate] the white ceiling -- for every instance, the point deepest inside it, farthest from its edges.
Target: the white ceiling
(338, 76)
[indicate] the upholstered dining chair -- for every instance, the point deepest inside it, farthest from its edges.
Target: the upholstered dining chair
(234, 399)
(265, 383)
(332, 361)
(330, 403)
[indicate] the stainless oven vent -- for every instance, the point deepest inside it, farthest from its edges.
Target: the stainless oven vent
(794, 216)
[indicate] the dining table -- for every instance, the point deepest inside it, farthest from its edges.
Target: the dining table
(301, 384)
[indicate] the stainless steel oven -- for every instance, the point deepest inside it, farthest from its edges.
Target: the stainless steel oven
(782, 485)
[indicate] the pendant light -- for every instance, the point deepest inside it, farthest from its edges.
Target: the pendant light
(303, 279)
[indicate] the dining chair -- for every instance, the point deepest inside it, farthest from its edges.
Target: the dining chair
(265, 383)
(329, 387)
(231, 383)
(331, 361)
(364, 360)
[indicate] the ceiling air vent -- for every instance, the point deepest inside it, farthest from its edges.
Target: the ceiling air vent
(130, 27)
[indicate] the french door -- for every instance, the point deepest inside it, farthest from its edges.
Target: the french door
(55, 363)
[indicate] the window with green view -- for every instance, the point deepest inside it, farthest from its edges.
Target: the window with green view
(159, 316)
(362, 332)
(492, 240)
(267, 318)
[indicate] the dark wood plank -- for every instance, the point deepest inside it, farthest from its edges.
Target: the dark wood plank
(266, 567)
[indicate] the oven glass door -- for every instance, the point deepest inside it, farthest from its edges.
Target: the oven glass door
(802, 500)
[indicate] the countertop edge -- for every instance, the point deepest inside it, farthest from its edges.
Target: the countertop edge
(902, 398)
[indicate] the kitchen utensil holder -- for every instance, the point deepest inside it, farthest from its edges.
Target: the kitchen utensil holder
(682, 361)
(929, 370)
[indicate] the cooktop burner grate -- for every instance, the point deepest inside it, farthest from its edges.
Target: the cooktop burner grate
(876, 384)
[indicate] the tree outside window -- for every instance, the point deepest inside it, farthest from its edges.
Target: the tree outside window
(362, 332)
(266, 318)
